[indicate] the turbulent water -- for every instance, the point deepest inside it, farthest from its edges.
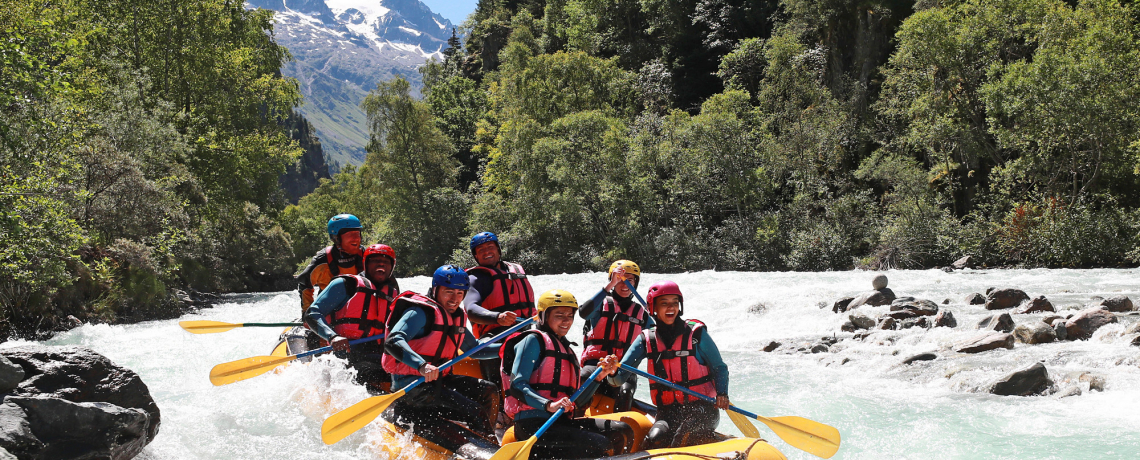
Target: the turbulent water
(884, 410)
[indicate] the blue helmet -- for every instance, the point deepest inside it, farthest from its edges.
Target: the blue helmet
(483, 237)
(450, 276)
(342, 222)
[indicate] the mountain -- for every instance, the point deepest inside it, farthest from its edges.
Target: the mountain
(342, 49)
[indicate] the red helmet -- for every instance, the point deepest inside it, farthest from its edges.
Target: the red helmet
(664, 288)
(382, 250)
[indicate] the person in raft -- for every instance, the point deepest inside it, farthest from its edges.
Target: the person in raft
(342, 258)
(423, 333)
(683, 353)
(613, 321)
(540, 373)
(499, 294)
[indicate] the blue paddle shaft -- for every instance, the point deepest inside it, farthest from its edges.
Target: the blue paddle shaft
(481, 346)
(550, 421)
(330, 348)
(680, 388)
(634, 290)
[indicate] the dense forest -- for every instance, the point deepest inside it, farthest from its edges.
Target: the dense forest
(148, 146)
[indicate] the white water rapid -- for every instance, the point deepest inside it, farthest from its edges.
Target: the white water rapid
(884, 410)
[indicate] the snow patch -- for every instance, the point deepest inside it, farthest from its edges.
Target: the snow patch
(441, 26)
(371, 9)
(411, 31)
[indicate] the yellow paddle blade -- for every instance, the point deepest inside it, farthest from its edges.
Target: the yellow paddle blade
(348, 421)
(807, 435)
(242, 369)
(206, 327)
(744, 425)
(518, 450)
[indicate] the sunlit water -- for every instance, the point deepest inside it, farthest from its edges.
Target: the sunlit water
(930, 410)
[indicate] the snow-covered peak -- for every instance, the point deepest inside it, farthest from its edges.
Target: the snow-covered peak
(370, 9)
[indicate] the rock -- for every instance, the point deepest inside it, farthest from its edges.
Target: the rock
(1000, 323)
(848, 326)
(1039, 304)
(1034, 333)
(758, 309)
(1095, 382)
(1136, 341)
(945, 301)
(1051, 318)
(819, 348)
(15, 431)
(920, 357)
(1033, 380)
(877, 298)
(921, 321)
(840, 305)
(887, 323)
(1133, 329)
(964, 262)
(989, 290)
(1071, 390)
(1082, 325)
(945, 318)
(985, 342)
(1117, 304)
(975, 299)
(772, 346)
(920, 307)
(902, 314)
(1001, 299)
(10, 375)
(1061, 330)
(948, 269)
(862, 321)
(98, 429)
(5, 455)
(879, 282)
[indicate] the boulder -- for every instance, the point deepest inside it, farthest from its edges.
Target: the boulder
(945, 318)
(862, 321)
(964, 262)
(985, 342)
(1033, 380)
(1000, 323)
(772, 346)
(98, 429)
(921, 321)
(1136, 341)
(887, 323)
(1001, 299)
(1040, 304)
(1082, 324)
(840, 305)
(975, 299)
(848, 326)
(1117, 304)
(1051, 319)
(879, 282)
(10, 375)
(920, 357)
(902, 314)
(1095, 382)
(945, 301)
(15, 430)
(1071, 390)
(876, 298)
(921, 307)
(1034, 333)
(1061, 330)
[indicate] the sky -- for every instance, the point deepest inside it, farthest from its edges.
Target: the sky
(455, 11)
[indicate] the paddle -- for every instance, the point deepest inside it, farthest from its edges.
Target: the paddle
(357, 416)
(520, 450)
(242, 369)
(210, 327)
(807, 435)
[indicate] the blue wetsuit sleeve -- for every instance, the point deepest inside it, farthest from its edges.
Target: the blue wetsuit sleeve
(481, 285)
(489, 352)
(709, 355)
(649, 322)
(410, 326)
(331, 299)
(527, 352)
(631, 358)
(592, 307)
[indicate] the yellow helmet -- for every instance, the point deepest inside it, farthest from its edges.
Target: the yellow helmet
(555, 298)
(629, 266)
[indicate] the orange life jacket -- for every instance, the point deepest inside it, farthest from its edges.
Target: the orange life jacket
(510, 291)
(440, 344)
(677, 363)
(615, 330)
(366, 310)
(555, 375)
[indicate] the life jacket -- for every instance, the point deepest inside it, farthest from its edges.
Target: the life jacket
(440, 344)
(366, 310)
(677, 363)
(342, 264)
(510, 291)
(615, 330)
(555, 375)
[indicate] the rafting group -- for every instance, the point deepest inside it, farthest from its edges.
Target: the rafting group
(528, 394)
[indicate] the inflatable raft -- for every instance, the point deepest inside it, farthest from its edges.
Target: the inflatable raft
(445, 440)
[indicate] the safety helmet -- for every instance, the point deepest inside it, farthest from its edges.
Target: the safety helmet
(629, 266)
(341, 223)
(664, 288)
(484, 237)
(555, 298)
(380, 250)
(450, 276)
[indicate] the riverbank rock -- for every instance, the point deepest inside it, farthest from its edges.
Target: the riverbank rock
(945, 318)
(75, 403)
(10, 375)
(1033, 334)
(1082, 324)
(920, 307)
(840, 305)
(1001, 299)
(877, 298)
(862, 321)
(1033, 380)
(1061, 330)
(887, 323)
(1040, 304)
(964, 262)
(921, 321)
(985, 342)
(920, 357)
(975, 299)
(879, 282)
(1117, 304)
(1000, 323)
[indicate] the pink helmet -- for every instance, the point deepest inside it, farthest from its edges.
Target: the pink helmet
(664, 288)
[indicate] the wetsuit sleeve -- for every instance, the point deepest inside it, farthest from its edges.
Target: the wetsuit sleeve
(709, 355)
(589, 311)
(409, 326)
(527, 352)
(631, 358)
(331, 299)
(481, 285)
(649, 321)
(305, 279)
(489, 352)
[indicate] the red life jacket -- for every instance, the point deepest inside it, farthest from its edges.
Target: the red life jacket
(364, 313)
(440, 344)
(342, 264)
(678, 364)
(510, 291)
(615, 330)
(555, 375)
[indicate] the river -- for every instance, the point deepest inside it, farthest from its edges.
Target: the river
(930, 410)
